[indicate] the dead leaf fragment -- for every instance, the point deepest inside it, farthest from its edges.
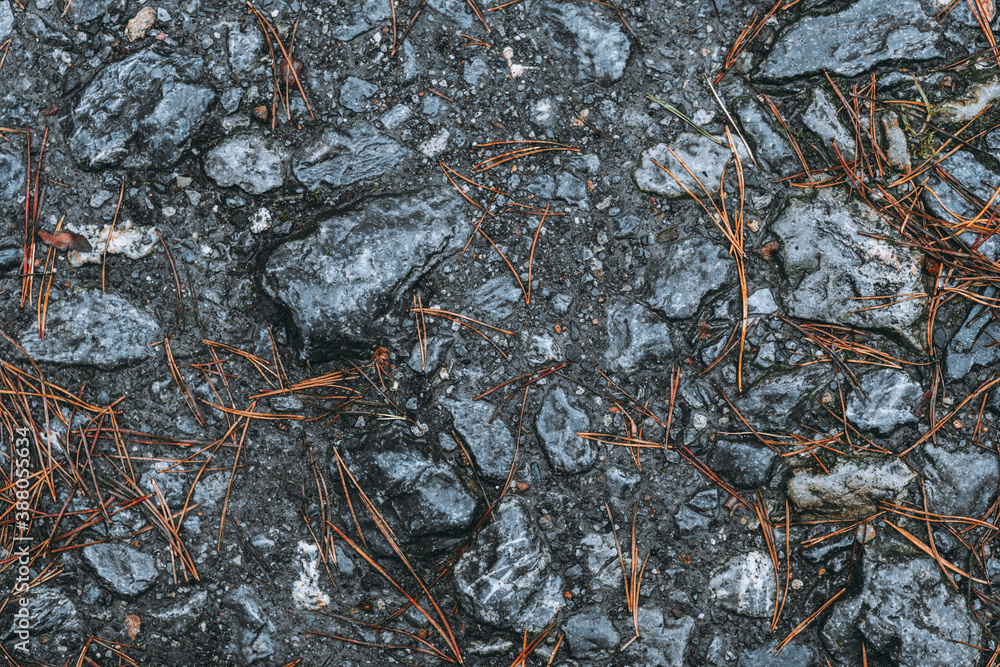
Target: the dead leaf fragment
(140, 24)
(132, 625)
(65, 241)
(289, 69)
(986, 9)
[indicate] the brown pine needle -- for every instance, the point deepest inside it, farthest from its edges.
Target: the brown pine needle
(531, 258)
(107, 241)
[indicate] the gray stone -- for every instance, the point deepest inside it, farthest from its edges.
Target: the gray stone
(504, 579)
(87, 328)
(476, 71)
(637, 337)
(830, 263)
(761, 302)
(123, 569)
(745, 584)
(690, 523)
(246, 161)
(6, 19)
(370, 14)
(971, 104)
(174, 486)
(689, 271)
(776, 399)
(960, 481)
(341, 279)
(178, 619)
(254, 640)
(793, 655)
(456, 11)
(905, 613)
(705, 158)
(11, 172)
(560, 418)
(590, 633)
(51, 611)
(975, 178)
(973, 345)
(141, 112)
(490, 445)
(664, 639)
(245, 48)
(336, 159)
(598, 48)
(852, 489)
(420, 497)
(879, 32)
(770, 143)
(821, 118)
(88, 10)
(355, 93)
(744, 465)
(893, 396)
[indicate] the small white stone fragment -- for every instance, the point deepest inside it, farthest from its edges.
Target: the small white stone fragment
(260, 221)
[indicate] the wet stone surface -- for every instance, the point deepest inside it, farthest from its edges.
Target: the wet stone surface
(338, 159)
(851, 489)
(123, 569)
(561, 417)
(891, 398)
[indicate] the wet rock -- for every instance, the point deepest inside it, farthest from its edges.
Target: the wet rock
(761, 302)
(88, 10)
(590, 633)
(123, 569)
(664, 639)
(341, 279)
(905, 612)
(141, 112)
(776, 399)
(369, 15)
(178, 619)
(745, 584)
(87, 328)
(245, 161)
(599, 48)
(560, 418)
(821, 118)
(896, 149)
(497, 298)
(893, 397)
(6, 19)
(690, 523)
(770, 144)
(11, 175)
(355, 93)
(830, 263)
(255, 637)
(970, 105)
(852, 489)
(690, 270)
(793, 655)
(975, 178)
(973, 345)
(504, 579)
(245, 49)
(879, 31)
(744, 465)
(637, 337)
(51, 611)
(420, 496)
(705, 158)
(960, 481)
(490, 445)
(337, 159)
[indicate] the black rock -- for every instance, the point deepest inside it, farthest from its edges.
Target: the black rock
(561, 417)
(775, 399)
(770, 143)
(254, 640)
(141, 112)
(960, 480)
(11, 176)
(355, 93)
(974, 344)
(337, 159)
(744, 465)
(793, 655)
(505, 580)
(341, 279)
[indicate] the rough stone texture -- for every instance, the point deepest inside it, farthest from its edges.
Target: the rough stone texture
(821, 118)
(245, 48)
(664, 639)
(972, 346)
(560, 418)
(974, 177)
(342, 278)
(141, 112)
(598, 48)
(893, 397)
(504, 578)
(775, 399)
(363, 19)
(6, 19)
(255, 640)
(705, 158)
(490, 445)
(52, 610)
(637, 337)
(246, 161)
(123, 569)
(87, 328)
(420, 497)
(830, 263)
(691, 269)
(88, 10)
(879, 31)
(769, 143)
(793, 655)
(745, 585)
(853, 488)
(336, 159)
(590, 633)
(905, 612)
(355, 93)
(960, 481)
(11, 175)
(178, 619)
(744, 465)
